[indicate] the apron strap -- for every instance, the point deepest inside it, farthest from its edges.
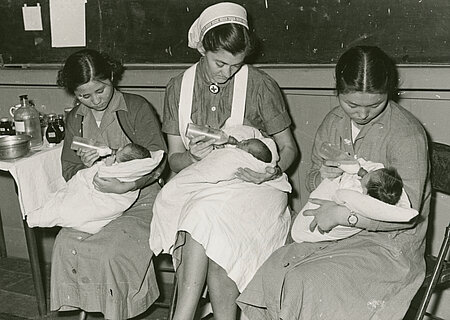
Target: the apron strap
(185, 104)
(239, 97)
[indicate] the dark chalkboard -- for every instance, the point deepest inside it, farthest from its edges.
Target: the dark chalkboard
(296, 31)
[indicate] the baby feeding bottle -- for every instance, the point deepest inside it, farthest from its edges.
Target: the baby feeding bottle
(26, 121)
(340, 158)
(194, 130)
(90, 144)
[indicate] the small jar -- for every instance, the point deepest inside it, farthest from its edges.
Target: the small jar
(5, 127)
(60, 123)
(53, 134)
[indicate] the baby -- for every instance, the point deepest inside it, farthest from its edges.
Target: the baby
(80, 206)
(374, 192)
(131, 151)
(384, 184)
(256, 148)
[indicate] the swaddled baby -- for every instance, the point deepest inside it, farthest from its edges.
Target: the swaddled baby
(80, 206)
(366, 188)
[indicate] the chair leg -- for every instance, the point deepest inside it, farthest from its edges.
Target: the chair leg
(2, 239)
(436, 275)
(35, 269)
(173, 298)
(83, 315)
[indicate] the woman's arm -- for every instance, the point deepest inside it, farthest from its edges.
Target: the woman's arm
(70, 161)
(409, 155)
(287, 148)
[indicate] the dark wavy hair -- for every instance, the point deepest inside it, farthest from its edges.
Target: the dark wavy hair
(385, 185)
(366, 69)
(232, 37)
(86, 65)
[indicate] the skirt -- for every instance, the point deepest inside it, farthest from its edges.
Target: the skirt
(111, 271)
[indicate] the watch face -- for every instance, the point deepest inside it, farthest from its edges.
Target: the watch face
(352, 219)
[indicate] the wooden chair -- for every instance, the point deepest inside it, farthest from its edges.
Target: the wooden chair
(169, 269)
(438, 268)
(171, 303)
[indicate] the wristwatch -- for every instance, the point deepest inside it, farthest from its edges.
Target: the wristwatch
(352, 219)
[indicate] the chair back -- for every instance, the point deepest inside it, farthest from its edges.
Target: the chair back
(440, 167)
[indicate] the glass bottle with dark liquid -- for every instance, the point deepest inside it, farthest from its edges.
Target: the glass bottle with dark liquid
(53, 134)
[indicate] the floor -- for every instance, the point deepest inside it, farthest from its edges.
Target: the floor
(17, 300)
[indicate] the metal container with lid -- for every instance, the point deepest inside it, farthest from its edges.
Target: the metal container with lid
(12, 147)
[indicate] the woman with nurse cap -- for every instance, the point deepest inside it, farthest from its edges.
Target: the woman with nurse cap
(222, 91)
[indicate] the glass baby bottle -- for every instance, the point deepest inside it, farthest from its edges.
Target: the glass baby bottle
(194, 130)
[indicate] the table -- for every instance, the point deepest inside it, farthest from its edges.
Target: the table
(35, 175)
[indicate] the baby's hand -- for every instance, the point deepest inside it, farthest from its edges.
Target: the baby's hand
(109, 161)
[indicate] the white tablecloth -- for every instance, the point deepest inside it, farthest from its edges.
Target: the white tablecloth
(36, 175)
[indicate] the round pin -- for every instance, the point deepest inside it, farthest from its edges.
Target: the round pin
(214, 88)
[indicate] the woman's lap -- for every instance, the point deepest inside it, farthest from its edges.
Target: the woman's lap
(329, 281)
(111, 271)
(233, 236)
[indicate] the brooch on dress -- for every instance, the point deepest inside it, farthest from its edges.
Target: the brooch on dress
(214, 88)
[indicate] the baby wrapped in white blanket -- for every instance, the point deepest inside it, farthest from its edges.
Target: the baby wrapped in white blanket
(80, 206)
(350, 190)
(238, 223)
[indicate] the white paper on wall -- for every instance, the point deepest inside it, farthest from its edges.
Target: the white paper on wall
(32, 18)
(68, 23)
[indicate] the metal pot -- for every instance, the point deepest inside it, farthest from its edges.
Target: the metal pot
(12, 147)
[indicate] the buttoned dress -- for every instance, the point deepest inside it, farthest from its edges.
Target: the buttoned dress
(111, 271)
(241, 241)
(373, 274)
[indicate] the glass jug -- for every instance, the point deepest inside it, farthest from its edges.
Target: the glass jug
(26, 121)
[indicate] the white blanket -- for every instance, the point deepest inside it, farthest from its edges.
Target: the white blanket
(238, 223)
(346, 190)
(78, 205)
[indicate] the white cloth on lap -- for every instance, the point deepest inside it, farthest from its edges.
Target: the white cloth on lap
(238, 223)
(78, 205)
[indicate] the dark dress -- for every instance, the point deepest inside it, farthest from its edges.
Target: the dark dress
(111, 271)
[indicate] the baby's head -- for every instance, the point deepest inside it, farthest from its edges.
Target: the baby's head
(132, 151)
(384, 184)
(256, 148)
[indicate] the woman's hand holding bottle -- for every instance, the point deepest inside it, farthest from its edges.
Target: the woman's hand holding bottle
(200, 148)
(88, 157)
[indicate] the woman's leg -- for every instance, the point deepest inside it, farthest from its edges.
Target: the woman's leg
(191, 275)
(223, 292)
